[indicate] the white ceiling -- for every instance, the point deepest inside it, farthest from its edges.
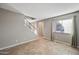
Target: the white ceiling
(41, 10)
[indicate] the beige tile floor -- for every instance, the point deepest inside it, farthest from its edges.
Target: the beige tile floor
(42, 46)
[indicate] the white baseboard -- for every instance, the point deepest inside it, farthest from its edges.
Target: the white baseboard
(16, 44)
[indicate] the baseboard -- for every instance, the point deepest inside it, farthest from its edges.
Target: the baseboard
(16, 44)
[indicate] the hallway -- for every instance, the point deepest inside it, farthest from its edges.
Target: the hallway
(42, 46)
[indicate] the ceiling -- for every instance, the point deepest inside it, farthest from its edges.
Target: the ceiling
(41, 10)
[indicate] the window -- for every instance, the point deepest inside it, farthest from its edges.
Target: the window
(64, 26)
(59, 26)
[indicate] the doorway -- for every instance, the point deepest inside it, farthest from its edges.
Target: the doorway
(40, 28)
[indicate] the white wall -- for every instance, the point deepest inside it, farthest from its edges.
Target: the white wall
(12, 29)
(47, 29)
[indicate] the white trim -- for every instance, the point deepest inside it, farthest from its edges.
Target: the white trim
(16, 44)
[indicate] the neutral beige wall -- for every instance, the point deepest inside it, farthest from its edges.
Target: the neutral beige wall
(12, 29)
